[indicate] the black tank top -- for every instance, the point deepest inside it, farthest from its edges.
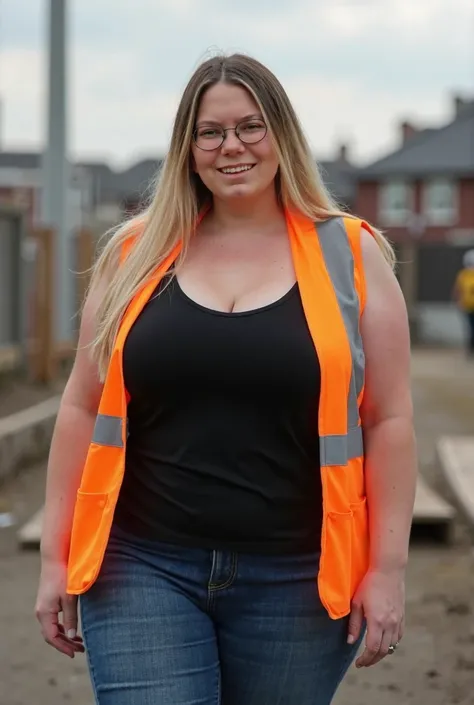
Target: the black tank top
(223, 451)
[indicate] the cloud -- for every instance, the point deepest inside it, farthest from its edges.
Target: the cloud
(353, 68)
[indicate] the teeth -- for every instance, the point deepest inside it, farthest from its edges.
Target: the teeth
(236, 170)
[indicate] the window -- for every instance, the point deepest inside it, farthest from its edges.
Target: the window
(396, 202)
(440, 202)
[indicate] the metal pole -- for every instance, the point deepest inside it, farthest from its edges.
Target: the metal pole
(55, 171)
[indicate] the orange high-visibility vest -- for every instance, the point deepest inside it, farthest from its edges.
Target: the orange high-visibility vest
(328, 265)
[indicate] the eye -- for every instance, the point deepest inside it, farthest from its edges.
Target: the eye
(253, 126)
(209, 132)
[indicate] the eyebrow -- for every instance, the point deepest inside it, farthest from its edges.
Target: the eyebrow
(254, 116)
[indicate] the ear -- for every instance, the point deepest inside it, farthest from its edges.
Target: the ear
(192, 163)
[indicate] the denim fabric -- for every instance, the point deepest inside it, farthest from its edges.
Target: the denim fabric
(166, 625)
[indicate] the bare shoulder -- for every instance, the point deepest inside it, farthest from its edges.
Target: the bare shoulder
(371, 252)
(381, 282)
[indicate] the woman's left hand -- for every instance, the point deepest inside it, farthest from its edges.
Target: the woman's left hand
(380, 600)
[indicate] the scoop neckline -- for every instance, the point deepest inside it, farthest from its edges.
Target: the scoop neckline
(235, 314)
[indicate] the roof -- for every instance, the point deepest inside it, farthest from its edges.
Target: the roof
(340, 178)
(448, 150)
(136, 180)
(20, 160)
(110, 186)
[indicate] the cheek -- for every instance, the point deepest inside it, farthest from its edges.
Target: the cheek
(270, 164)
(267, 155)
(200, 160)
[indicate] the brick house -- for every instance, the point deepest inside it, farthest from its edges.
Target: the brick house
(425, 189)
(422, 196)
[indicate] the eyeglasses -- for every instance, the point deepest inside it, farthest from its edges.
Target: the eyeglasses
(208, 137)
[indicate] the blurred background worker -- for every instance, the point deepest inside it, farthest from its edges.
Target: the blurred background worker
(464, 296)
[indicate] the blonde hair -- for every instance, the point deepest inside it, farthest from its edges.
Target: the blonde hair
(180, 195)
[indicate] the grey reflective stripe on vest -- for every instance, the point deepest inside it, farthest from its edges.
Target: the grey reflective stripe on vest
(337, 252)
(337, 450)
(108, 431)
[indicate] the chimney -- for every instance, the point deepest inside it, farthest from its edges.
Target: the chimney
(343, 154)
(408, 131)
(459, 105)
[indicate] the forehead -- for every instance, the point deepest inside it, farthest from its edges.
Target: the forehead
(224, 103)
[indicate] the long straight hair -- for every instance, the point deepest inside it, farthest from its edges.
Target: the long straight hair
(180, 195)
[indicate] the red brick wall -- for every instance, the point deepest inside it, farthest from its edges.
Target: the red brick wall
(466, 203)
(366, 206)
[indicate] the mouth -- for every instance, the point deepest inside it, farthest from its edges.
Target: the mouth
(237, 169)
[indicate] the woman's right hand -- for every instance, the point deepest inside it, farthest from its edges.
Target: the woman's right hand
(53, 600)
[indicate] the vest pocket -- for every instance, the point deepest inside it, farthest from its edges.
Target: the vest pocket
(335, 573)
(88, 539)
(359, 544)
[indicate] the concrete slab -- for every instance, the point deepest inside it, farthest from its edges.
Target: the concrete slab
(26, 436)
(430, 506)
(29, 536)
(456, 455)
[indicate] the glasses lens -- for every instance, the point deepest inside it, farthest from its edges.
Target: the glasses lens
(208, 137)
(251, 131)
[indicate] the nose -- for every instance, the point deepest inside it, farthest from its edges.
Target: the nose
(232, 144)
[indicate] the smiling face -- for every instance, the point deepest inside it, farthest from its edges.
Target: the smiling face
(235, 169)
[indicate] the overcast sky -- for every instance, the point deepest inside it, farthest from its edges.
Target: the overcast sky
(353, 68)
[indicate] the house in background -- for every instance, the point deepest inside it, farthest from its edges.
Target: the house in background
(340, 177)
(101, 195)
(115, 192)
(422, 195)
(20, 187)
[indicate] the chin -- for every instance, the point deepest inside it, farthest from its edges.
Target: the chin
(238, 191)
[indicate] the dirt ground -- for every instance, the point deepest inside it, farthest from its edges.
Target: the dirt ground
(435, 662)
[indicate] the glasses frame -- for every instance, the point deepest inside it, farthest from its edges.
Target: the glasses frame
(225, 130)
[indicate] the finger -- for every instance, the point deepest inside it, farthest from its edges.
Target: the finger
(388, 639)
(69, 609)
(373, 642)
(76, 643)
(62, 645)
(356, 619)
(49, 622)
(53, 634)
(76, 638)
(401, 629)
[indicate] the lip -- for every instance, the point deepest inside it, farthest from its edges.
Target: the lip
(235, 166)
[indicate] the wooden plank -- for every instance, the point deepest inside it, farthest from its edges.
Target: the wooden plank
(29, 536)
(10, 357)
(456, 455)
(430, 507)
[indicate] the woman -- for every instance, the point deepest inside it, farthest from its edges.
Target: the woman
(240, 396)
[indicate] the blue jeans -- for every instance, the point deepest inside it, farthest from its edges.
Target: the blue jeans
(166, 625)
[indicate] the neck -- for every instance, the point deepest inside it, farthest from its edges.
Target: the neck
(246, 213)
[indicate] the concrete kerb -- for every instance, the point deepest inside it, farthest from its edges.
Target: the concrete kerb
(456, 457)
(25, 437)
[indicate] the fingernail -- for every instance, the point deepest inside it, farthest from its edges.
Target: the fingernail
(350, 639)
(71, 633)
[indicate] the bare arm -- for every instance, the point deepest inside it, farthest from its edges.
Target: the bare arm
(70, 443)
(71, 438)
(387, 413)
(390, 458)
